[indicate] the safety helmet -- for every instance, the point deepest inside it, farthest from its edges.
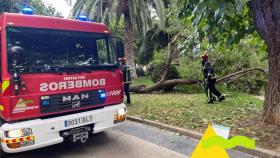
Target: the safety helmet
(204, 57)
(123, 60)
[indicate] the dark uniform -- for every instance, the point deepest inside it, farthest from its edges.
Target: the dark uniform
(210, 82)
(126, 81)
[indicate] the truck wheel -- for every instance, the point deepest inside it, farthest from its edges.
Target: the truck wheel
(3, 154)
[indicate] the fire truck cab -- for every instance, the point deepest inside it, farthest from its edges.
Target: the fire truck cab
(60, 79)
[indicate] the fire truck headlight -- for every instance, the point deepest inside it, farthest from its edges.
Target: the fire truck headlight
(19, 133)
(121, 111)
(120, 115)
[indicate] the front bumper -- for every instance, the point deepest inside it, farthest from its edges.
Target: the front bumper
(47, 131)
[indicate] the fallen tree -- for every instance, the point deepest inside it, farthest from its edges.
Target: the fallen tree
(158, 85)
(171, 49)
(163, 82)
(234, 76)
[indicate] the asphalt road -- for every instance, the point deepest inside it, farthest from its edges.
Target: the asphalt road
(131, 140)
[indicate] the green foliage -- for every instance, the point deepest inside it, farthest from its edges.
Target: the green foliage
(252, 84)
(42, 9)
(190, 69)
(218, 21)
(159, 56)
(249, 53)
(8, 6)
(111, 12)
(142, 81)
(173, 23)
(157, 38)
(14, 6)
(154, 40)
(156, 69)
(117, 29)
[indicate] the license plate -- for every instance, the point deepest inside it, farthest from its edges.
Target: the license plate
(78, 121)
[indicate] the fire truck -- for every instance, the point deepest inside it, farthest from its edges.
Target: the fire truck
(60, 80)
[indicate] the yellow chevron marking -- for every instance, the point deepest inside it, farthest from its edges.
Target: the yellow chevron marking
(5, 85)
(17, 140)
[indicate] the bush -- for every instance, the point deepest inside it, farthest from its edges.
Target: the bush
(156, 69)
(191, 69)
(252, 84)
(140, 71)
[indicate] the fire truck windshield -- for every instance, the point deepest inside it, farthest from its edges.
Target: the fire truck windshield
(48, 50)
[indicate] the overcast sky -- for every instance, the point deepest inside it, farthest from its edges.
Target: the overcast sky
(61, 6)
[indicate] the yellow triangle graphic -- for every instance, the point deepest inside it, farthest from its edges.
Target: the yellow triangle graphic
(213, 152)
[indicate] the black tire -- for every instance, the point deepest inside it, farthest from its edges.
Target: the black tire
(3, 154)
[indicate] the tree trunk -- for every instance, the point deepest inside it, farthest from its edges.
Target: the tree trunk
(267, 19)
(174, 82)
(128, 36)
(168, 61)
(236, 75)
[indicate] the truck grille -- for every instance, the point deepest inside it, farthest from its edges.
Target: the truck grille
(69, 101)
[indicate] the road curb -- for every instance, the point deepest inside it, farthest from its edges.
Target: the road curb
(260, 152)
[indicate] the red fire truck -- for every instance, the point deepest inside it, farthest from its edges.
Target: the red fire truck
(60, 81)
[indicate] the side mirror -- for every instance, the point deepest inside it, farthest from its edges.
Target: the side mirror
(120, 49)
(17, 54)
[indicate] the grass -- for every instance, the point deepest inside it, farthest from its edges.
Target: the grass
(186, 109)
(191, 110)
(142, 81)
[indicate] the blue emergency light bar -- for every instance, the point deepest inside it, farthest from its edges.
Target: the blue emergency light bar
(102, 94)
(83, 18)
(28, 10)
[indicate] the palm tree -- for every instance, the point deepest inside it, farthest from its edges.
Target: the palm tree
(137, 16)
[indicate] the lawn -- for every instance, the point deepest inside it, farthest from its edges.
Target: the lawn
(240, 111)
(142, 81)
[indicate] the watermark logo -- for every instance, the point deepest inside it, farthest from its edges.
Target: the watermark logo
(214, 143)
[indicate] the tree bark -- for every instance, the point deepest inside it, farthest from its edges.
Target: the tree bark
(128, 37)
(144, 89)
(267, 19)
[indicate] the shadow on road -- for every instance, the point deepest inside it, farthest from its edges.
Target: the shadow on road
(68, 149)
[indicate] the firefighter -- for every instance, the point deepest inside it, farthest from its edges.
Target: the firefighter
(126, 79)
(210, 81)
